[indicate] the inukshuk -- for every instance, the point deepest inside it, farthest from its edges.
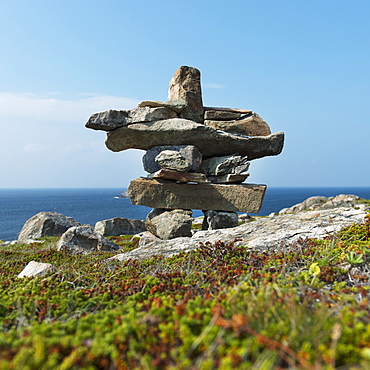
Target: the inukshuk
(197, 157)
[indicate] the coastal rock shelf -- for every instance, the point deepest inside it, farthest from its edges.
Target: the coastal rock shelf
(197, 157)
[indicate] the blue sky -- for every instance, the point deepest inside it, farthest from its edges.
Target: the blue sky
(303, 66)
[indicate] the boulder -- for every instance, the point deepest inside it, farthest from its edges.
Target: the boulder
(119, 226)
(46, 224)
(147, 238)
(34, 268)
(83, 240)
(172, 160)
(185, 86)
(112, 119)
(219, 220)
(232, 164)
(168, 224)
(165, 194)
(179, 176)
(189, 152)
(244, 217)
(252, 125)
(209, 141)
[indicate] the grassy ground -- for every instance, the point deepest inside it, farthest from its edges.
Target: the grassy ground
(302, 306)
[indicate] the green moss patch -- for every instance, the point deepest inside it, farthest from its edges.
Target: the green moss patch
(302, 306)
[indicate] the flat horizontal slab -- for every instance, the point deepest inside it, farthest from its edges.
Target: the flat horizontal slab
(209, 141)
(219, 197)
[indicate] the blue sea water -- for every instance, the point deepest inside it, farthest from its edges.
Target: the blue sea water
(91, 205)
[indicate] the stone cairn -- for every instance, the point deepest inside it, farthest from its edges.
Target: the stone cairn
(197, 157)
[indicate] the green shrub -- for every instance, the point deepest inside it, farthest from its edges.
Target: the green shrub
(221, 306)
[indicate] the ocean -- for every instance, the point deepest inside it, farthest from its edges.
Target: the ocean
(88, 206)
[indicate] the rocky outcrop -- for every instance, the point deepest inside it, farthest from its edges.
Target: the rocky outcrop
(165, 194)
(46, 224)
(263, 233)
(169, 224)
(320, 202)
(83, 240)
(119, 226)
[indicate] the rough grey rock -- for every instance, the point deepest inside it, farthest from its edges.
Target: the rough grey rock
(189, 152)
(83, 240)
(119, 226)
(244, 217)
(252, 125)
(180, 176)
(168, 224)
(219, 220)
(262, 234)
(179, 131)
(218, 166)
(112, 119)
(147, 238)
(34, 268)
(220, 115)
(320, 202)
(185, 86)
(108, 120)
(175, 105)
(165, 194)
(172, 160)
(147, 114)
(228, 179)
(46, 224)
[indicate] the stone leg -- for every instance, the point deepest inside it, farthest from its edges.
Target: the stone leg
(169, 223)
(219, 220)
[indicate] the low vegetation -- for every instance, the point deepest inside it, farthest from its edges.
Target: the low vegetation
(302, 306)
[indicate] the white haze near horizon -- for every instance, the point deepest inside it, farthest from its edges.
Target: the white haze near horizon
(48, 145)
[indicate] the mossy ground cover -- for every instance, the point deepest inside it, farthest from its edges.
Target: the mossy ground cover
(302, 306)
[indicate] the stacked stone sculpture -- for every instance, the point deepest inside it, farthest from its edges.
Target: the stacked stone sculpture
(197, 157)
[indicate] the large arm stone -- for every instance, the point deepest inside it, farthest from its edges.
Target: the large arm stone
(112, 119)
(178, 131)
(162, 194)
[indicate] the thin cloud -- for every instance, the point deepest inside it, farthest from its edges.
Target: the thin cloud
(33, 147)
(212, 85)
(48, 108)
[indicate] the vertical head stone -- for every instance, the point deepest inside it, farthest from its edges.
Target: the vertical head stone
(185, 85)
